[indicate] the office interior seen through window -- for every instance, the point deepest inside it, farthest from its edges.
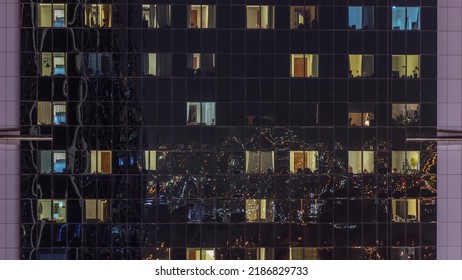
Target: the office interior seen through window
(233, 129)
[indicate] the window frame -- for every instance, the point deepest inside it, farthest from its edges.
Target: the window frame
(52, 210)
(406, 18)
(306, 65)
(52, 21)
(88, 15)
(259, 164)
(155, 14)
(258, 25)
(44, 61)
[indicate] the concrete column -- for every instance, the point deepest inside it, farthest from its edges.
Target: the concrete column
(9, 117)
(449, 218)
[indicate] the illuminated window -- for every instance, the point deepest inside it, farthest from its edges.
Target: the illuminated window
(44, 112)
(59, 162)
(361, 114)
(98, 64)
(52, 161)
(59, 113)
(101, 162)
(405, 210)
(51, 210)
(98, 15)
(360, 162)
(96, 210)
(157, 16)
(405, 18)
(201, 64)
(405, 114)
(150, 160)
(259, 253)
(361, 65)
(48, 112)
(200, 113)
(259, 210)
(303, 162)
(259, 162)
(406, 66)
(53, 64)
(360, 17)
(52, 15)
(405, 162)
(260, 17)
(158, 64)
(201, 16)
(304, 253)
(200, 254)
(304, 65)
(302, 17)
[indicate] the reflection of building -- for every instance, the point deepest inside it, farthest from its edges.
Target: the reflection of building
(226, 131)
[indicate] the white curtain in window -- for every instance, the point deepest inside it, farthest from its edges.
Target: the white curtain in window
(150, 64)
(312, 65)
(368, 161)
(153, 19)
(354, 162)
(211, 16)
(267, 162)
(368, 17)
(368, 66)
(163, 15)
(208, 113)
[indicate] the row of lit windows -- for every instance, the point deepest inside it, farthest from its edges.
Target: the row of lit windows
(295, 253)
(204, 113)
(256, 162)
(263, 253)
(204, 16)
(256, 210)
(160, 64)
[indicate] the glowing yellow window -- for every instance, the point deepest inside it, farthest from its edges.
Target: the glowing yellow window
(51, 210)
(101, 162)
(98, 15)
(259, 210)
(304, 65)
(52, 15)
(200, 254)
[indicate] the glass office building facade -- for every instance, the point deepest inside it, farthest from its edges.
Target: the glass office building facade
(228, 129)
